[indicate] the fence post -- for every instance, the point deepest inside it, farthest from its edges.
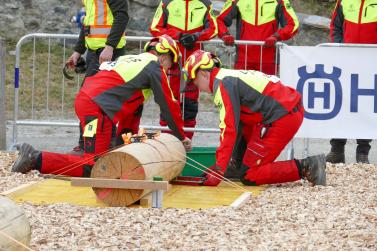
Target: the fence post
(3, 127)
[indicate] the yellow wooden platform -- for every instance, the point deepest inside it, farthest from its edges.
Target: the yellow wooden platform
(51, 191)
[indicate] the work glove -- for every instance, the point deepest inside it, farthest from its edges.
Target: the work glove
(213, 177)
(271, 41)
(188, 40)
(187, 144)
(228, 39)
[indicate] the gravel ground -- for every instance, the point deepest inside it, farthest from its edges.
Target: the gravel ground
(9, 180)
(296, 216)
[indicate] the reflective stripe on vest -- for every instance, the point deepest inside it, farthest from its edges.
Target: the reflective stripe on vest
(100, 32)
(101, 12)
(364, 11)
(99, 19)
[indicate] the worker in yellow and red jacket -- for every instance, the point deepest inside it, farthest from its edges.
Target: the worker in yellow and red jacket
(354, 21)
(265, 112)
(110, 97)
(258, 20)
(189, 22)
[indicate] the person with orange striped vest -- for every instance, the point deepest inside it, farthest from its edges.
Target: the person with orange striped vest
(353, 21)
(102, 36)
(260, 20)
(189, 22)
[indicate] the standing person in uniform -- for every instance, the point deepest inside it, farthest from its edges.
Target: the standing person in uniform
(355, 22)
(102, 36)
(189, 22)
(113, 95)
(264, 112)
(260, 20)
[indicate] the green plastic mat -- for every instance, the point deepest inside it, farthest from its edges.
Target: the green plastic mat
(203, 155)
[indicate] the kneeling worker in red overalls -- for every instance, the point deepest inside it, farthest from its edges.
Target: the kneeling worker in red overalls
(266, 113)
(113, 96)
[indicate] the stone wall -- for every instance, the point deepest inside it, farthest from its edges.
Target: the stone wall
(20, 17)
(141, 13)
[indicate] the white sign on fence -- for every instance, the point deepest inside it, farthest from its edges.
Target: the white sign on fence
(338, 87)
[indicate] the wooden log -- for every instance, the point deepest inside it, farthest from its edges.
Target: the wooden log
(164, 156)
(15, 230)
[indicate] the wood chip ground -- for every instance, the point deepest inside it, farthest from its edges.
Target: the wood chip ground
(296, 216)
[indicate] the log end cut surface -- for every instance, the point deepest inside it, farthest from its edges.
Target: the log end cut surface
(118, 165)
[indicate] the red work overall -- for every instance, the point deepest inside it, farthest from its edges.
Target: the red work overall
(258, 161)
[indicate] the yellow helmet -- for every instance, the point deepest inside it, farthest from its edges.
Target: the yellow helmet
(163, 45)
(199, 60)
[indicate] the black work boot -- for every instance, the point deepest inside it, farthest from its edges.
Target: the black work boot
(26, 160)
(362, 158)
(335, 157)
(362, 150)
(314, 169)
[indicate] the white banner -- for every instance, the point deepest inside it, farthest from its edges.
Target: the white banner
(338, 87)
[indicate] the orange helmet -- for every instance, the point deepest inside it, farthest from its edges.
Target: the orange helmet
(199, 60)
(163, 45)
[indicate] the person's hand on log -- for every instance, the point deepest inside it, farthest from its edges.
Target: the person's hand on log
(187, 144)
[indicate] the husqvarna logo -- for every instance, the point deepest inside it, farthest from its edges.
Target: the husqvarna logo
(318, 85)
(323, 92)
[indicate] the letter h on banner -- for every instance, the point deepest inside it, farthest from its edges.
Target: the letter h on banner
(356, 92)
(325, 95)
(326, 79)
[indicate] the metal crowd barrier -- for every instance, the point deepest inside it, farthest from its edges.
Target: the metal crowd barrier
(44, 62)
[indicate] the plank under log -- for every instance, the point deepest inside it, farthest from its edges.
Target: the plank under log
(121, 184)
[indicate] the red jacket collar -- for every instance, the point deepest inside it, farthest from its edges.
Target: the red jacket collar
(212, 77)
